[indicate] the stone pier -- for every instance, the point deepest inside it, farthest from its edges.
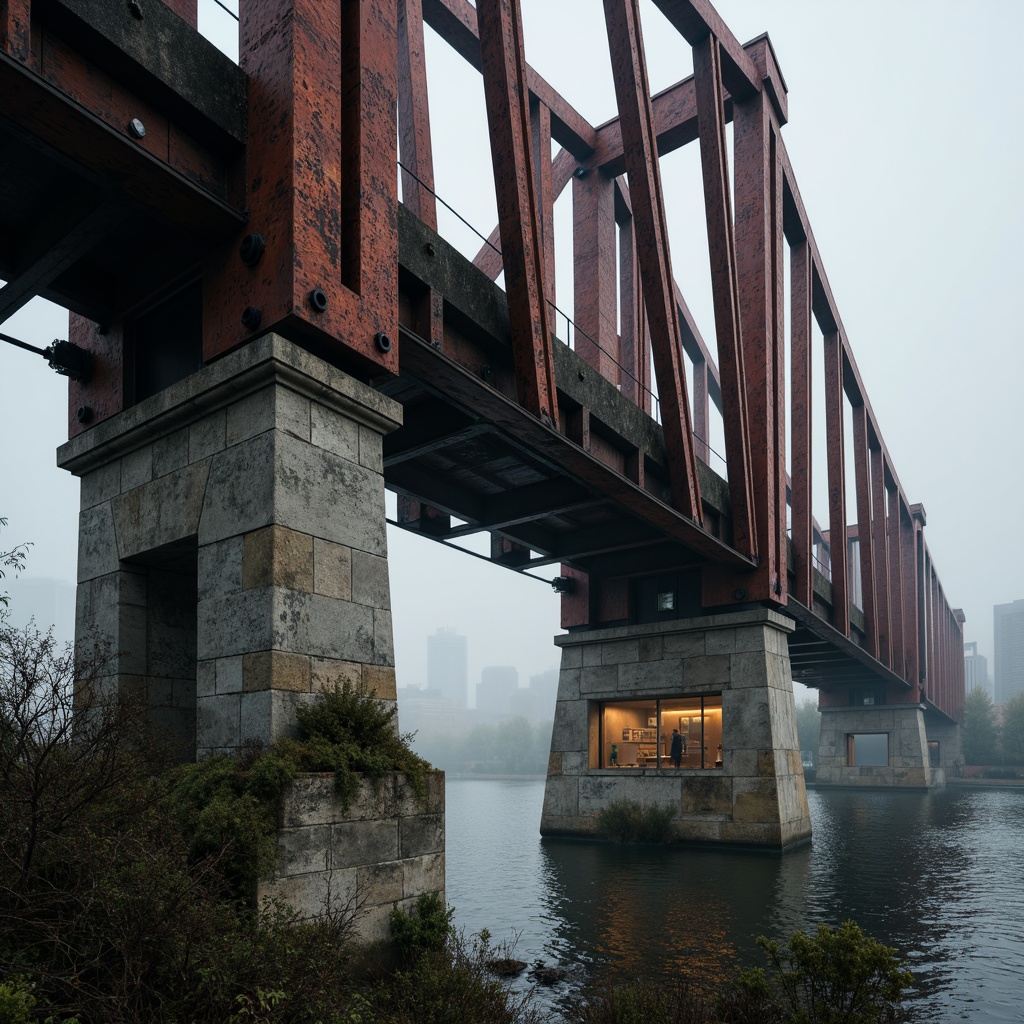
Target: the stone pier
(232, 544)
(722, 680)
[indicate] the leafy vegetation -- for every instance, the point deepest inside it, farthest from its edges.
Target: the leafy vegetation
(980, 729)
(630, 821)
(1013, 729)
(808, 727)
(11, 561)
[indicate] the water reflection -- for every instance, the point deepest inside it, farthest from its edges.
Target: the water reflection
(938, 876)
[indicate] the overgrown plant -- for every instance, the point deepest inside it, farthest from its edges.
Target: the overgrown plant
(837, 976)
(630, 821)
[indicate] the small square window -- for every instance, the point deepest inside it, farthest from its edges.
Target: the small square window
(667, 601)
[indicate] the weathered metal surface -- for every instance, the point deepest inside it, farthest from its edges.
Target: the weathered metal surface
(836, 456)
(322, 189)
(865, 533)
(880, 555)
(522, 235)
(414, 115)
(801, 421)
(632, 93)
(725, 291)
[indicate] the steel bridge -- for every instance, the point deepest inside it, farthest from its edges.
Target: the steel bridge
(181, 205)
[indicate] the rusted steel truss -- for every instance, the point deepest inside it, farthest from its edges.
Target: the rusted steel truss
(197, 209)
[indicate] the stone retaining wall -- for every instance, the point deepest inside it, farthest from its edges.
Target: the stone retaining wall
(383, 851)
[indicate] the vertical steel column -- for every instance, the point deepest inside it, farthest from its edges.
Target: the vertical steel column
(321, 184)
(801, 420)
(760, 265)
(836, 482)
(635, 341)
(880, 553)
(540, 133)
(911, 600)
(865, 534)
(522, 239)
(414, 115)
(594, 272)
(632, 92)
(16, 28)
(895, 588)
(707, 75)
(701, 411)
(186, 9)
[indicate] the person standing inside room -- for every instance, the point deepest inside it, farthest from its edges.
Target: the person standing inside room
(676, 751)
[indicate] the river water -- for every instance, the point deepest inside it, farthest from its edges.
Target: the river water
(939, 876)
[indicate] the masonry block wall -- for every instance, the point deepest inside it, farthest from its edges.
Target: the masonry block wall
(384, 850)
(232, 545)
(908, 763)
(756, 798)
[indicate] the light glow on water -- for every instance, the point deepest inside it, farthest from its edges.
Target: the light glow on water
(939, 876)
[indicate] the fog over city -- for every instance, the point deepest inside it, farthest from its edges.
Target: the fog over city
(905, 138)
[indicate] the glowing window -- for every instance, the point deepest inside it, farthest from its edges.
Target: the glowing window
(642, 733)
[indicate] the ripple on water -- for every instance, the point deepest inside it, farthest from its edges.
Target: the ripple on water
(936, 875)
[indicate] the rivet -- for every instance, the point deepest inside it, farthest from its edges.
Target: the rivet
(318, 299)
(252, 249)
(135, 8)
(486, 372)
(429, 249)
(739, 593)
(581, 375)
(251, 318)
(137, 128)
(84, 414)
(383, 341)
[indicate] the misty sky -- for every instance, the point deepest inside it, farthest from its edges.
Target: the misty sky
(906, 121)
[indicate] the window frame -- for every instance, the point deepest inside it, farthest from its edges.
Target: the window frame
(708, 761)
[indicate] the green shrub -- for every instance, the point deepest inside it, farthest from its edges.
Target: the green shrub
(629, 821)
(837, 976)
(428, 930)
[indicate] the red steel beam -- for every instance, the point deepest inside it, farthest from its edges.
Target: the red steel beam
(865, 534)
(836, 483)
(414, 115)
(635, 340)
(455, 21)
(540, 133)
(725, 291)
(911, 617)
(760, 268)
(522, 239)
(895, 586)
(696, 20)
(629, 70)
(16, 28)
(323, 189)
(801, 421)
(879, 526)
(594, 273)
(186, 9)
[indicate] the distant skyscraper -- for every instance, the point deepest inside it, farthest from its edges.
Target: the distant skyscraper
(447, 672)
(1009, 642)
(497, 685)
(975, 670)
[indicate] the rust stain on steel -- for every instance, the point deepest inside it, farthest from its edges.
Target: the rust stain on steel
(321, 182)
(414, 115)
(540, 134)
(836, 483)
(594, 278)
(800, 421)
(865, 535)
(759, 264)
(725, 290)
(522, 241)
(187, 9)
(880, 554)
(629, 70)
(16, 28)
(104, 395)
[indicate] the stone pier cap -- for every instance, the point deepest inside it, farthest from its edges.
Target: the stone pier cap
(270, 359)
